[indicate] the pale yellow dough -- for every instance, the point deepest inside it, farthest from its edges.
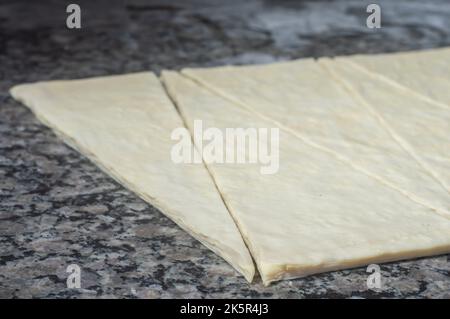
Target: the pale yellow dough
(305, 99)
(420, 127)
(124, 124)
(317, 213)
(423, 74)
(364, 173)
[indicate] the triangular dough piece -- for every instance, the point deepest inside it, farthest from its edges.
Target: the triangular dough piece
(124, 124)
(302, 97)
(425, 74)
(316, 213)
(422, 128)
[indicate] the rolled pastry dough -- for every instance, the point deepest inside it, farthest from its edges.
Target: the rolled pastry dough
(124, 125)
(316, 213)
(302, 97)
(424, 74)
(420, 127)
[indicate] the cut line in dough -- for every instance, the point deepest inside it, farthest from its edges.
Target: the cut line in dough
(424, 74)
(301, 97)
(316, 214)
(124, 124)
(420, 127)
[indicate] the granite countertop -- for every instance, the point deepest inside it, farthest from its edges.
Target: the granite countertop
(57, 208)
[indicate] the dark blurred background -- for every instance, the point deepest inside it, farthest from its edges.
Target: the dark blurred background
(130, 35)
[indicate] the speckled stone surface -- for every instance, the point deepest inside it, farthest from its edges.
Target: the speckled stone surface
(57, 208)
